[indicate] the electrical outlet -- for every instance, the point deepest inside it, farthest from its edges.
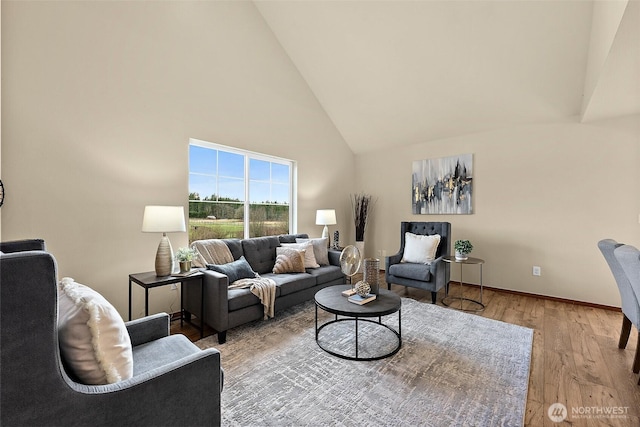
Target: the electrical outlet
(537, 271)
(174, 287)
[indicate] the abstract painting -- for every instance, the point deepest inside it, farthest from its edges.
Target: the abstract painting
(443, 186)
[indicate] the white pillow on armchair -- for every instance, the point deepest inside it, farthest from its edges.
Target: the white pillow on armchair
(93, 338)
(420, 249)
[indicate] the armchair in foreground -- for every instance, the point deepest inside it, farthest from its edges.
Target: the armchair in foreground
(173, 381)
(408, 269)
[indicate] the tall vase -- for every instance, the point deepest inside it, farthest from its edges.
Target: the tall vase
(371, 274)
(360, 246)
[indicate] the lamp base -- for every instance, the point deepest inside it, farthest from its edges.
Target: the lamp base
(164, 257)
(325, 233)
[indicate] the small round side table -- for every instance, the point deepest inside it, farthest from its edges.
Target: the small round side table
(447, 300)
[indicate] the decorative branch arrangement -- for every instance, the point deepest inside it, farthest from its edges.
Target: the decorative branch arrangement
(362, 204)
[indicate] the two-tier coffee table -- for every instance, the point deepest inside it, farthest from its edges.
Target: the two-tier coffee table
(331, 300)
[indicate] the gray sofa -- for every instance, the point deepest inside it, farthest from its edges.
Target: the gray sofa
(227, 308)
(173, 383)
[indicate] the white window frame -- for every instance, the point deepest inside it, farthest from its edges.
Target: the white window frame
(248, 155)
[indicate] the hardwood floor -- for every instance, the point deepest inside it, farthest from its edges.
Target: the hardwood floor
(575, 357)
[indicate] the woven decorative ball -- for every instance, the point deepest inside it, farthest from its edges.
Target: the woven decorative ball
(362, 288)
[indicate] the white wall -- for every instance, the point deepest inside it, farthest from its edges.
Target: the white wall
(543, 195)
(99, 102)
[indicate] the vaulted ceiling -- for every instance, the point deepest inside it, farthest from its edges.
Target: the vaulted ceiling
(405, 72)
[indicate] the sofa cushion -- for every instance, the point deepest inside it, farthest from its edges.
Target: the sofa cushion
(309, 255)
(413, 271)
(93, 339)
(326, 273)
(241, 298)
(320, 249)
(290, 283)
(260, 252)
(289, 260)
(236, 270)
(161, 352)
(420, 248)
(235, 246)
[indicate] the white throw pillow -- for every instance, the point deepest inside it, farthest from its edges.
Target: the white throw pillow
(420, 249)
(320, 250)
(94, 341)
(307, 248)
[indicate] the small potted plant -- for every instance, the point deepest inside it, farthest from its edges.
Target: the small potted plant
(463, 248)
(184, 256)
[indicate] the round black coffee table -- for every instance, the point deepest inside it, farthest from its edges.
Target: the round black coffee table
(331, 300)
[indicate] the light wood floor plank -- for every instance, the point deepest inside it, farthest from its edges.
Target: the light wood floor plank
(587, 355)
(537, 371)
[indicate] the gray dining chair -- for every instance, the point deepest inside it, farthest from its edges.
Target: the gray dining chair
(629, 258)
(623, 260)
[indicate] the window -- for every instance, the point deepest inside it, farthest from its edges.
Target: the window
(237, 194)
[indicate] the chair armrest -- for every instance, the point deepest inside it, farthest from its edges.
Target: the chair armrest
(441, 271)
(392, 259)
(433, 267)
(23, 245)
(148, 328)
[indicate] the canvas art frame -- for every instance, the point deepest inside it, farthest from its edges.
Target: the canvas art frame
(442, 185)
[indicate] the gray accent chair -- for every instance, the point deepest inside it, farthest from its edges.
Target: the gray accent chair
(431, 277)
(174, 382)
(624, 262)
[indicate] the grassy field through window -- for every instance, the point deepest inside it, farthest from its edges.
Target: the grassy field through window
(200, 229)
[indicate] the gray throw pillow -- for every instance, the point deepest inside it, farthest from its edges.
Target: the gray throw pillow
(236, 270)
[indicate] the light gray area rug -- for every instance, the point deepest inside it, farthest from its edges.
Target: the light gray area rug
(454, 369)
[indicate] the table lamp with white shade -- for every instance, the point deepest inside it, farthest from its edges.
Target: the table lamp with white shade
(163, 219)
(325, 217)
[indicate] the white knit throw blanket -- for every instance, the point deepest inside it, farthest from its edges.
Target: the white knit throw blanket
(262, 287)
